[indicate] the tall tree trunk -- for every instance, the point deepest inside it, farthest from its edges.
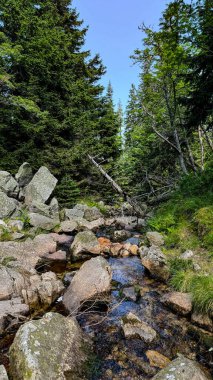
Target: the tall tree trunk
(208, 139)
(191, 158)
(181, 157)
(200, 134)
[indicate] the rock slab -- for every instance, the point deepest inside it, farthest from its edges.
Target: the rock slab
(40, 187)
(91, 280)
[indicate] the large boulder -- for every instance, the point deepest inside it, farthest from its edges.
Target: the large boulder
(11, 310)
(8, 184)
(40, 187)
(7, 205)
(24, 175)
(93, 278)
(179, 302)
(28, 253)
(53, 347)
(84, 245)
(155, 262)
(181, 369)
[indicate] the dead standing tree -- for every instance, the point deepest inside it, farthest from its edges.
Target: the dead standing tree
(136, 207)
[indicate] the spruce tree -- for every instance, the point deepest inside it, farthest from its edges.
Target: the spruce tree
(59, 78)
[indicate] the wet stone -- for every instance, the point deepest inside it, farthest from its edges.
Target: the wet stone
(130, 293)
(134, 327)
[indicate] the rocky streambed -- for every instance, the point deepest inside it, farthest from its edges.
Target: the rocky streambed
(90, 300)
(132, 332)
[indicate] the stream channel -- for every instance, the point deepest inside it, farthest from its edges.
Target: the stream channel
(119, 358)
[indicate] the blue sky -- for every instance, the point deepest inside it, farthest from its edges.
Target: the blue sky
(114, 34)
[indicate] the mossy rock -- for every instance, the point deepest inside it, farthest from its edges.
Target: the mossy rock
(53, 347)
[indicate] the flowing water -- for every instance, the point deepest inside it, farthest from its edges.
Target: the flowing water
(118, 358)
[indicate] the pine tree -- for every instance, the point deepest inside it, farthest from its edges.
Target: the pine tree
(59, 78)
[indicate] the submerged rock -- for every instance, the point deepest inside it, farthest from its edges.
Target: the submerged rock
(93, 279)
(181, 369)
(156, 359)
(130, 293)
(134, 327)
(179, 302)
(53, 347)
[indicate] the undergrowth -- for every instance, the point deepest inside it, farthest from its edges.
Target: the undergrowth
(187, 218)
(187, 223)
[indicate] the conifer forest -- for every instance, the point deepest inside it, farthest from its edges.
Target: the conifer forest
(106, 211)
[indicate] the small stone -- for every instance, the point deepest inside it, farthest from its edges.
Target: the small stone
(115, 249)
(18, 225)
(68, 226)
(121, 235)
(105, 244)
(156, 359)
(133, 249)
(130, 293)
(187, 255)
(155, 238)
(124, 253)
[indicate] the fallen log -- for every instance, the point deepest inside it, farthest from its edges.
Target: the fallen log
(136, 207)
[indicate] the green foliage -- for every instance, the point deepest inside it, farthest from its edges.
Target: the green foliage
(173, 96)
(178, 265)
(199, 285)
(50, 95)
(67, 192)
(5, 235)
(24, 217)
